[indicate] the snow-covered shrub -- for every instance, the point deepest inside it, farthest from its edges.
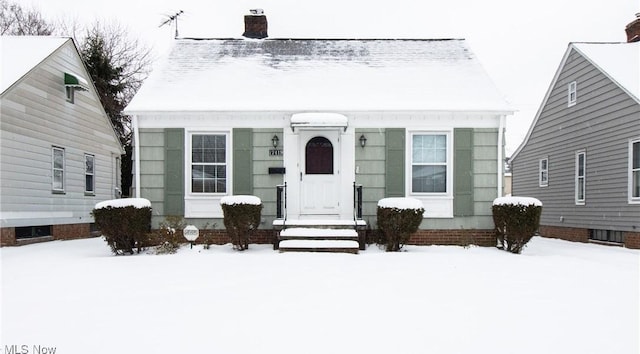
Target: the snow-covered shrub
(398, 218)
(241, 217)
(516, 221)
(124, 223)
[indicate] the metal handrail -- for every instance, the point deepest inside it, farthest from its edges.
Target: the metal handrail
(281, 201)
(357, 201)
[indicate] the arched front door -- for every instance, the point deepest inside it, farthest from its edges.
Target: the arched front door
(319, 174)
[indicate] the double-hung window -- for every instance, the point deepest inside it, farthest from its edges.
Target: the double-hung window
(634, 171)
(429, 163)
(89, 174)
(57, 169)
(572, 93)
(581, 181)
(543, 172)
(208, 163)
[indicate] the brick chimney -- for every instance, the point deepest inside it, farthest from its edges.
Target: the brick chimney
(633, 30)
(255, 24)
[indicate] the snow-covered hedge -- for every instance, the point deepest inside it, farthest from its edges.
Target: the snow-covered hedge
(516, 221)
(398, 218)
(124, 223)
(241, 217)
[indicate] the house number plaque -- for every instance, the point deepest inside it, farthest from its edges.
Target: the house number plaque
(275, 152)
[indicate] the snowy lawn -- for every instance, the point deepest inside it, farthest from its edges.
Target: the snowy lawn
(556, 297)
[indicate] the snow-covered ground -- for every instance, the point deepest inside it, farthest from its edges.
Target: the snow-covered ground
(556, 297)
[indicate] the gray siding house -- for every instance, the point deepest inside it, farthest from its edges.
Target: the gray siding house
(59, 154)
(306, 124)
(581, 156)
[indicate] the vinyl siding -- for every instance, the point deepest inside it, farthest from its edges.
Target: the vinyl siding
(370, 164)
(152, 169)
(35, 117)
(264, 184)
(601, 123)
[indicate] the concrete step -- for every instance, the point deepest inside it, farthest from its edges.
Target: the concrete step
(303, 233)
(317, 245)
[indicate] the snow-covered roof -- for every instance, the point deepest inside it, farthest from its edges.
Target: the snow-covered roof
(20, 54)
(318, 74)
(620, 61)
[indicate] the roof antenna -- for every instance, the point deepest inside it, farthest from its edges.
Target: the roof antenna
(171, 19)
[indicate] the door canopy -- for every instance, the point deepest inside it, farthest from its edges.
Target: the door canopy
(319, 120)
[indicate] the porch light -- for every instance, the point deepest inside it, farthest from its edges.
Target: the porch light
(363, 140)
(274, 141)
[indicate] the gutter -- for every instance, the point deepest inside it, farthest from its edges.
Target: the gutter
(136, 154)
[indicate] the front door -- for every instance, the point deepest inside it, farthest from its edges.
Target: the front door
(319, 173)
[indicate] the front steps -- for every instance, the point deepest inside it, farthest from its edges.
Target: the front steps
(320, 236)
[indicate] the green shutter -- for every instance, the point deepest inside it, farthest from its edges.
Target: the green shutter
(394, 162)
(174, 171)
(242, 161)
(463, 172)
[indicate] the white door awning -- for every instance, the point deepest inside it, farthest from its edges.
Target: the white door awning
(319, 120)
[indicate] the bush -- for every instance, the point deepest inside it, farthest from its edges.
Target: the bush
(124, 223)
(241, 217)
(398, 218)
(516, 221)
(170, 234)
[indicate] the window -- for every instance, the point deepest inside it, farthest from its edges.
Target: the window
(543, 174)
(606, 235)
(89, 178)
(208, 163)
(57, 166)
(572, 94)
(634, 171)
(319, 156)
(581, 157)
(429, 163)
(70, 92)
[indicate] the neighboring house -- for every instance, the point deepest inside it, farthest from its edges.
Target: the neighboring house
(581, 156)
(59, 154)
(415, 118)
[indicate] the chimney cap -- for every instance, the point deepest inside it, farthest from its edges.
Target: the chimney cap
(260, 12)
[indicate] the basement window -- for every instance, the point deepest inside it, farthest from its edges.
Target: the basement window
(33, 231)
(606, 235)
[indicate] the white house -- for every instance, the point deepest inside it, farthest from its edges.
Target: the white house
(59, 154)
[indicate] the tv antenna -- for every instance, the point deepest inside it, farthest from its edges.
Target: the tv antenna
(171, 18)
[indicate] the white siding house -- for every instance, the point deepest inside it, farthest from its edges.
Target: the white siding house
(59, 154)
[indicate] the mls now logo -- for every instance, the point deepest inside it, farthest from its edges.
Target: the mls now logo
(28, 349)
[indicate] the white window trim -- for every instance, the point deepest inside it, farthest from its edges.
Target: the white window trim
(541, 181)
(572, 94)
(93, 180)
(205, 205)
(440, 204)
(63, 169)
(584, 178)
(632, 199)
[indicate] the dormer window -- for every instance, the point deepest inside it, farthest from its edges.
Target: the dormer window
(572, 94)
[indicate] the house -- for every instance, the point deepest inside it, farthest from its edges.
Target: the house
(581, 155)
(320, 130)
(59, 152)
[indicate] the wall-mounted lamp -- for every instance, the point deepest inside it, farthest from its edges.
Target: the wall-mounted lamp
(274, 141)
(363, 140)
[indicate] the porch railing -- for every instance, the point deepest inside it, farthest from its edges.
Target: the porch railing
(281, 201)
(357, 201)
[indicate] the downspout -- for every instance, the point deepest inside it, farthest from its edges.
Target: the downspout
(500, 155)
(136, 154)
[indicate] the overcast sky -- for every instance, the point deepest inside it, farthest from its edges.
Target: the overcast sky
(520, 43)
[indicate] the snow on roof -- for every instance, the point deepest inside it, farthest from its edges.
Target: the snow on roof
(318, 74)
(124, 202)
(517, 201)
(319, 120)
(400, 203)
(20, 54)
(621, 61)
(240, 199)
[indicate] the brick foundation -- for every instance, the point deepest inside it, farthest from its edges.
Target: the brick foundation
(458, 237)
(565, 233)
(220, 237)
(70, 231)
(7, 236)
(632, 240)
